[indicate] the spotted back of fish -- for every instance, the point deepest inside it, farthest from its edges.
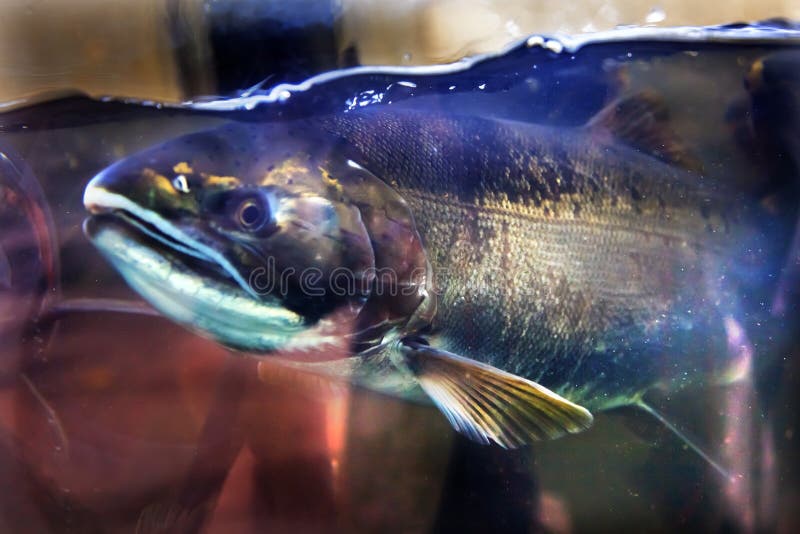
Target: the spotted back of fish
(563, 255)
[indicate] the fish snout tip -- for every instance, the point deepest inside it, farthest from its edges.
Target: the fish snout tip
(100, 196)
(93, 196)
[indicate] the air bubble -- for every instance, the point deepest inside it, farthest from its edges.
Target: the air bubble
(656, 15)
(534, 40)
(554, 46)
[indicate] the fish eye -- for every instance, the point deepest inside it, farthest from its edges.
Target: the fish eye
(251, 214)
(180, 183)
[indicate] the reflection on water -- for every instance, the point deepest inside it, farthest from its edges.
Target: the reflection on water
(125, 421)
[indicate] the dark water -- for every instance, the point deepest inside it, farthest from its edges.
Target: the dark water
(118, 422)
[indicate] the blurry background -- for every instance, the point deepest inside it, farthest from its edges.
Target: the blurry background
(175, 49)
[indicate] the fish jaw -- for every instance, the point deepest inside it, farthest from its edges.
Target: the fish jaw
(212, 308)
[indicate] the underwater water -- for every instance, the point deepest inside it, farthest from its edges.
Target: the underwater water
(117, 417)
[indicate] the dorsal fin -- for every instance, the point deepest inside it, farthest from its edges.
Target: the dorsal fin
(641, 120)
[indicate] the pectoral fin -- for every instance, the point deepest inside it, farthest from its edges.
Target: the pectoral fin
(490, 405)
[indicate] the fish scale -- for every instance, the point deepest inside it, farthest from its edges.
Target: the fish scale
(644, 241)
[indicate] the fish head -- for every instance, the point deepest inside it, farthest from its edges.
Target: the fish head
(239, 233)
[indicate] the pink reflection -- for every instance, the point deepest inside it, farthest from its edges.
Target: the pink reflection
(737, 449)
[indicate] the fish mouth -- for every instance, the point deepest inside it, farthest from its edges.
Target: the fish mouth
(164, 238)
(150, 236)
(177, 276)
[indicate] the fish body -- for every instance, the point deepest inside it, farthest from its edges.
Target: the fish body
(589, 267)
(537, 274)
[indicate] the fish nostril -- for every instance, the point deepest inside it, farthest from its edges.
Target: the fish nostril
(180, 183)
